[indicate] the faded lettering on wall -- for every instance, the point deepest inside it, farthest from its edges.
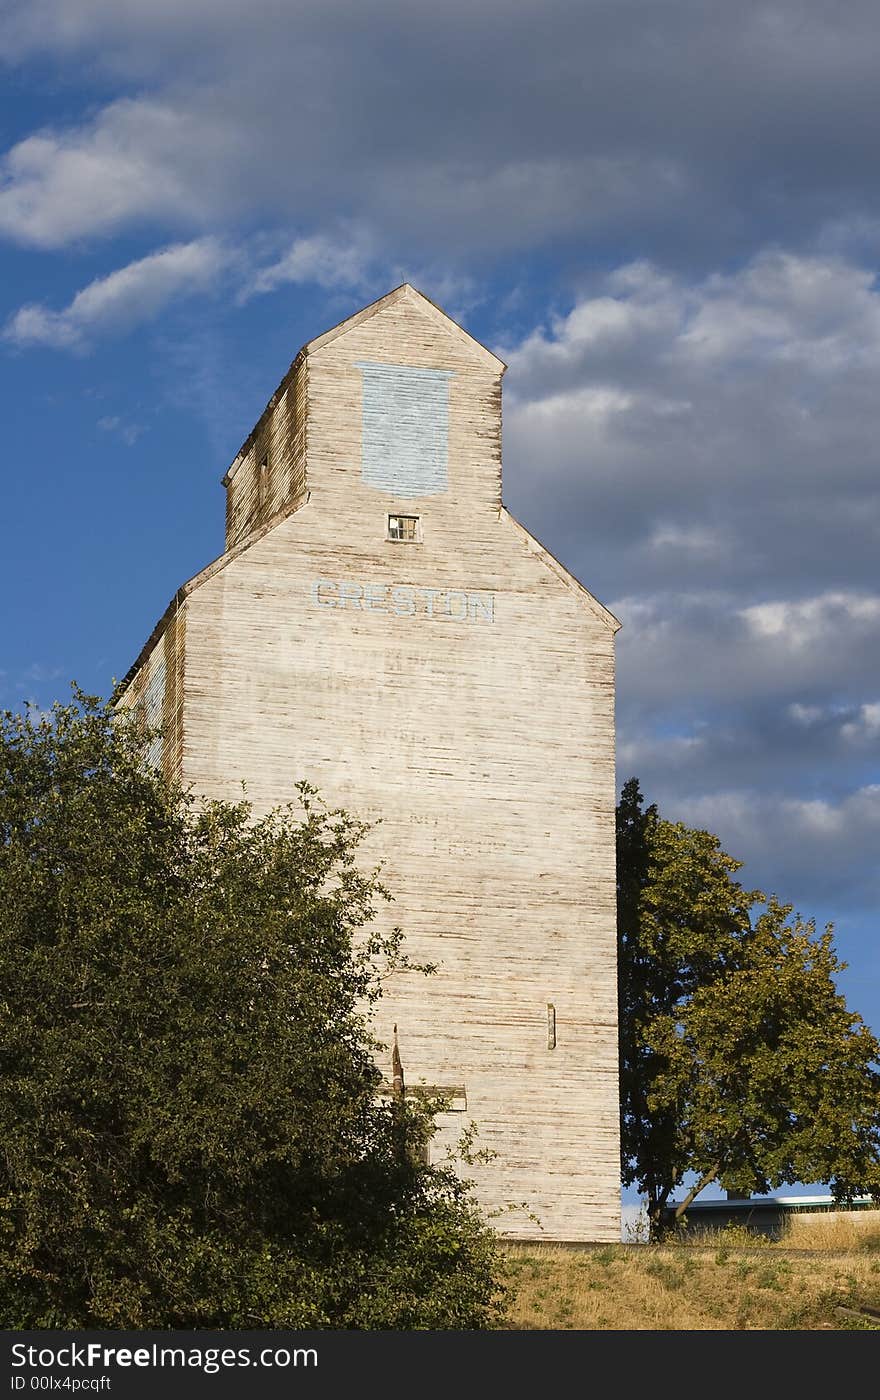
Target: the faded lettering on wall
(403, 600)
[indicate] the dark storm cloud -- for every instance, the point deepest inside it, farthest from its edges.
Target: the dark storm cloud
(475, 128)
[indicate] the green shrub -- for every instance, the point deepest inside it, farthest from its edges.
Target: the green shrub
(191, 1125)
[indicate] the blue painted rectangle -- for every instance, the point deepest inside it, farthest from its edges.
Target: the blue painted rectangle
(405, 429)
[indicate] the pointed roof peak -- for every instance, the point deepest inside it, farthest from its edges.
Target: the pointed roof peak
(406, 291)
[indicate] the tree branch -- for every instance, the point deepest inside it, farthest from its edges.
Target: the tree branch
(704, 1180)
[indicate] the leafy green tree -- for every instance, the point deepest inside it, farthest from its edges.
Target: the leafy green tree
(191, 1124)
(739, 1060)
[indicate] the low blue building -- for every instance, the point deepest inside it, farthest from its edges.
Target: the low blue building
(768, 1215)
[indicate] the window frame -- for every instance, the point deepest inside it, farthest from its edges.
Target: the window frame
(399, 517)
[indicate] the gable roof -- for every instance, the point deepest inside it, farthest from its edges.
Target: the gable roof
(185, 589)
(550, 561)
(406, 292)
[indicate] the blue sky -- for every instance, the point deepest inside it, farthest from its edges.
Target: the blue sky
(664, 215)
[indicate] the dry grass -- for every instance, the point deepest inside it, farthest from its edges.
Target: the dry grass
(724, 1284)
(833, 1230)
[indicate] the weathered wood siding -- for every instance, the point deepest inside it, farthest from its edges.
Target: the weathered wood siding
(145, 694)
(461, 690)
(155, 691)
(173, 644)
(268, 475)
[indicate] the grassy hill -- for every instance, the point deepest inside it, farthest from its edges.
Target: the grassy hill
(727, 1281)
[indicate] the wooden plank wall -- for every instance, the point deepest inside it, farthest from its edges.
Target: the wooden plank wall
(156, 692)
(173, 644)
(267, 478)
(460, 692)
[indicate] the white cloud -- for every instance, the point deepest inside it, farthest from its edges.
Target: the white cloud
(693, 540)
(784, 784)
(720, 433)
(865, 726)
(38, 672)
(144, 288)
(735, 495)
(636, 755)
(472, 126)
(701, 648)
(805, 714)
(126, 297)
(822, 313)
(120, 427)
(327, 261)
(819, 312)
(821, 849)
(582, 406)
(809, 622)
(137, 161)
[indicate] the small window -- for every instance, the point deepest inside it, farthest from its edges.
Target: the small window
(403, 527)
